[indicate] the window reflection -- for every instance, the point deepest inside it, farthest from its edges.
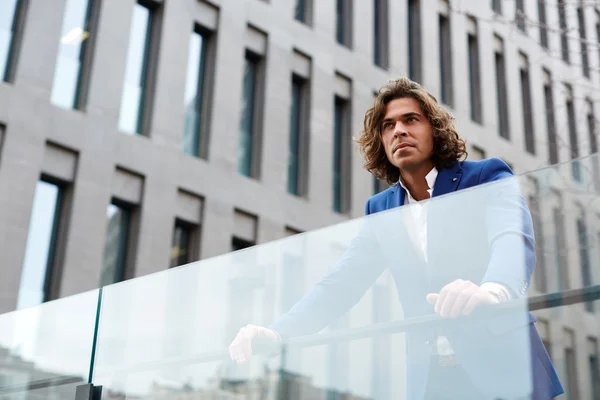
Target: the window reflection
(116, 247)
(194, 94)
(8, 13)
(73, 46)
(134, 87)
(40, 249)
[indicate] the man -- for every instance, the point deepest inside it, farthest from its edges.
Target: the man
(410, 141)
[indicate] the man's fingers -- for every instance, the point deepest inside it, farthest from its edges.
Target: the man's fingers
(461, 300)
(472, 304)
(432, 298)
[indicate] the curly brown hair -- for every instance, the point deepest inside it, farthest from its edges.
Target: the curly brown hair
(448, 147)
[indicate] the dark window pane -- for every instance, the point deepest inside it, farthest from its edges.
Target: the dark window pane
(294, 144)
(300, 10)
(414, 40)
(380, 34)
(194, 95)
(573, 142)
(446, 60)
(8, 26)
(527, 111)
(343, 31)
(181, 250)
(474, 78)
(40, 248)
(585, 62)
(584, 259)
(497, 6)
(562, 22)
(247, 134)
(502, 97)
(551, 124)
(520, 15)
(561, 250)
(74, 43)
(571, 364)
(117, 243)
(339, 135)
(135, 85)
(543, 23)
(540, 268)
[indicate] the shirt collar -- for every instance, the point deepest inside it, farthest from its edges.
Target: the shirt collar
(429, 178)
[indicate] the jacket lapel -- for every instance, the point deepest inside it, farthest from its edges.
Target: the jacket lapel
(396, 197)
(447, 180)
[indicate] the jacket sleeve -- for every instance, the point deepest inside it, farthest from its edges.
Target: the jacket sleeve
(510, 230)
(338, 291)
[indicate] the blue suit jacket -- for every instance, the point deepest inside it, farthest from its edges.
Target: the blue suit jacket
(489, 228)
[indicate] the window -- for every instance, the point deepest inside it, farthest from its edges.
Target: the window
(598, 31)
(303, 11)
(520, 16)
(248, 157)
(562, 22)
(341, 156)
(572, 388)
(573, 142)
(501, 93)
(74, 55)
(446, 60)
(381, 33)
(183, 250)
(240, 244)
(118, 242)
(298, 151)
(543, 23)
(528, 127)
(584, 257)
(497, 6)
(585, 62)
(10, 29)
(135, 101)
(40, 252)
(344, 22)
(477, 153)
(474, 73)
(414, 40)
(594, 368)
(560, 249)
(550, 118)
(195, 135)
(591, 127)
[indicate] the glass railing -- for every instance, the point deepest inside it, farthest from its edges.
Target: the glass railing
(351, 307)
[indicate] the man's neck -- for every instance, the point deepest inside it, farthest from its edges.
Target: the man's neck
(415, 181)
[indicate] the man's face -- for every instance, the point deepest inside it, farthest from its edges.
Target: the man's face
(407, 134)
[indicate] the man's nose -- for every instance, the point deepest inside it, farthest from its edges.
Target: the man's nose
(400, 129)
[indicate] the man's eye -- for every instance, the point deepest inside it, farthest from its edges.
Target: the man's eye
(412, 119)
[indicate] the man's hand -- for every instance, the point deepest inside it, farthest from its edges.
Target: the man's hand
(460, 297)
(240, 350)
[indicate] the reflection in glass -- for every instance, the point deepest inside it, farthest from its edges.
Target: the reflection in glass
(39, 253)
(115, 249)
(338, 138)
(245, 153)
(134, 87)
(181, 244)
(194, 94)
(8, 12)
(74, 44)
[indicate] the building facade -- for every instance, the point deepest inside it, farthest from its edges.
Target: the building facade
(141, 135)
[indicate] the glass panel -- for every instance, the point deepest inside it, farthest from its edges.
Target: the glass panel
(116, 247)
(8, 10)
(46, 351)
(247, 118)
(37, 264)
(194, 95)
(74, 37)
(134, 87)
(354, 305)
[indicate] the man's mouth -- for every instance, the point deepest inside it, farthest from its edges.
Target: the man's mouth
(402, 145)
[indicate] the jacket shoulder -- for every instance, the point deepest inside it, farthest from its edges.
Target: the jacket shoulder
(378, 201)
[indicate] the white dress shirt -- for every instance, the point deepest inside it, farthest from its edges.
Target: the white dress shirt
(418, 234)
